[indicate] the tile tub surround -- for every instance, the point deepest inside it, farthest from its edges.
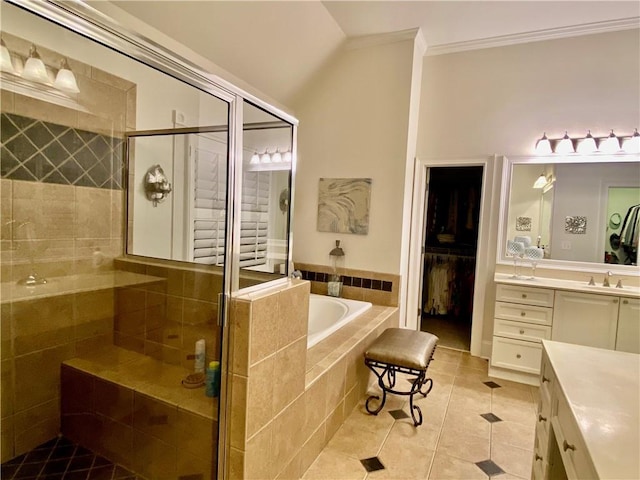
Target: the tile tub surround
(377, 288)
(70, 316)
(470, 430)
(156, 427)
(282, 409)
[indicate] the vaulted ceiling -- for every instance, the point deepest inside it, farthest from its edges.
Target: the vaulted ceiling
(277, 46)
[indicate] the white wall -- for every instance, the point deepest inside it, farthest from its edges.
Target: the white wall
(353, 124)
(500, 100)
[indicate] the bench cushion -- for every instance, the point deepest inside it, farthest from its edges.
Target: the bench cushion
(403, 347)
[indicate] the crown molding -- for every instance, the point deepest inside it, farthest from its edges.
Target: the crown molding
(365, 41)
(536, 36)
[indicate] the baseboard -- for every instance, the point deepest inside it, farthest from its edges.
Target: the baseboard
(514, 376)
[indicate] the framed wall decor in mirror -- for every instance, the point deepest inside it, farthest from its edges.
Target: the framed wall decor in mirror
(583, 211)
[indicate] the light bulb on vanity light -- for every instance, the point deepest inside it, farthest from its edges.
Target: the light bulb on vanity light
(286, 156)
(609, 144)
(276, 157)
(6, 65)
(265, 157)
(34, 68)
(541, 181)
(543, 146)
(66, 80)
(632, 144)
(587, 144)
(565, 145)
(255, 159)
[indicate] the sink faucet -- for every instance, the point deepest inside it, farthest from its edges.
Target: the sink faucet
(607, 276)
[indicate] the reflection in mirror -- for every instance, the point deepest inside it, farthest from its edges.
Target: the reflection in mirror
(266, 177)
(576, 211)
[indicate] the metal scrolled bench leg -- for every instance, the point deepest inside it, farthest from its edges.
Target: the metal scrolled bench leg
(399, 350)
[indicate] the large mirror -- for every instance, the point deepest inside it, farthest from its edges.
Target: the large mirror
(582, 211)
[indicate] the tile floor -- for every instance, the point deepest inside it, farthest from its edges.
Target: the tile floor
(471, 430)
(60, 459)
(453, 332)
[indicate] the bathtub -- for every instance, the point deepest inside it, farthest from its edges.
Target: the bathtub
(328, 314)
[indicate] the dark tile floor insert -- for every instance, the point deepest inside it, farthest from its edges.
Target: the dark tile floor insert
(372, 464)
(492, 384)
(489, 467)
(490, 417)
(398, 414)
(61, 459)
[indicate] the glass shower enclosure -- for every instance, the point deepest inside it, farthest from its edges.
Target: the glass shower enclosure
(136, 200)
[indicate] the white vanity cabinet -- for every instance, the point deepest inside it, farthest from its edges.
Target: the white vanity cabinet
(585, 319)
(523, 317)
(628, 337)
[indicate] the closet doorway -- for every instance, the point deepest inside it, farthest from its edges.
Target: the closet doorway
(450, 248)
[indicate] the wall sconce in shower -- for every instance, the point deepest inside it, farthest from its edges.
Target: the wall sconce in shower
(609, 144)
(156, 185)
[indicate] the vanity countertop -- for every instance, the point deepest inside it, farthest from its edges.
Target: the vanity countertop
(570, 285)
(602, 388)
(12, 292)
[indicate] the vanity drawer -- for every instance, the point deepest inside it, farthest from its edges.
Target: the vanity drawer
(541, 297)
(547, 380)
(575, 457)
(521, 331)
(516, 354)
(524, 313)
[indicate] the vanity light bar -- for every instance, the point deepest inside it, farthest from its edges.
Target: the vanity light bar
(610, 143)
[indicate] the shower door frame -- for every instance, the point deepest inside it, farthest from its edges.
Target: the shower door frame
(96, 26)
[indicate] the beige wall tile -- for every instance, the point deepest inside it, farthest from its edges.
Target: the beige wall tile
(113, 401)
(7, 100)
(7, 451)
(39, 375)
(293, 319)
(335, 385)
(240, 323)
(238, 412)
(76, 391)
(6, 331)
(191, 466)
(265, 316)
(289, 374)
(287, 434)
(236, 464)
(259, 461)
(334, 420)
(155, 418)
(48, 112)
(293, 470)
(315, 406)
(6, 388)
(34, 433)
(261, 395)
(202, 286)
(312, 448)
(153, 457)
(197, 435)
(6, 209)
(93, 205)
(197, 312)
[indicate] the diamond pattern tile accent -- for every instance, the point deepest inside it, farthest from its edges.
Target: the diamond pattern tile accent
(61, 459)
(398, 414)
(490, 417)
(492, 384)
(489, 467)
(45, 152)
(372, 464)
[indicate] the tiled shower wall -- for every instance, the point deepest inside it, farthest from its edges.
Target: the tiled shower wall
(61, 214)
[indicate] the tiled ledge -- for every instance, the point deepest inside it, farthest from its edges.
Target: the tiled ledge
(12, 292)
(322, 356)
(147, 376)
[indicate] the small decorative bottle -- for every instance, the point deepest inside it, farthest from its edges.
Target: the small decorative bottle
(334, 286)
(212, 380)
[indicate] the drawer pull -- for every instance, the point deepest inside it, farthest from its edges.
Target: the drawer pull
(518, 356)
(538, 457)
(544, 379)
(524, 295)
(625, 302)
(521, 332)
(541, 418)
(523, 314)
(615, 300)
(567, 446)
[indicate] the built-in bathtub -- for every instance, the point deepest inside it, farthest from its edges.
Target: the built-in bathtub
(328, 314)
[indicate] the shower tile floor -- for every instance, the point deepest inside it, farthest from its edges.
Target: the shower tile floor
(60, 459)
(474, 427)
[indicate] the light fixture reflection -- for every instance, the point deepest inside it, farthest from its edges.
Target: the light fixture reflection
(265, 158)
(66, 80)
(276, 157)
(541, 181)
(609, 144)
(34, 68)
(287, 156)
(6, 65)
(255, 159)
(543, 146)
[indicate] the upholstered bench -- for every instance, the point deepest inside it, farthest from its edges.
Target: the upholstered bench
(399, 350)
